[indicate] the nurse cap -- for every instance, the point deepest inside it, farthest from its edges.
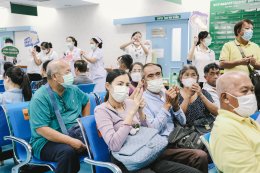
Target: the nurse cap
(98, 39)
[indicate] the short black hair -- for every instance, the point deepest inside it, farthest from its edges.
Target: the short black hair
(202, 35)
(9, 40)
(127, 60)
(211, 66)
(238, 26)
(151, 64)
(45, 64)
(81, 65)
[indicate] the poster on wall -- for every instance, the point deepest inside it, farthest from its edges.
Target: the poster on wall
(32, 40)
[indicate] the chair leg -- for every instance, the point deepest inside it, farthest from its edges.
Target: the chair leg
(16, 168)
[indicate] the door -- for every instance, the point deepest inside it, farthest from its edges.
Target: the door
(170, 39)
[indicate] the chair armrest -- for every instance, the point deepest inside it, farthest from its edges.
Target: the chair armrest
(114, 168)
(25, 144)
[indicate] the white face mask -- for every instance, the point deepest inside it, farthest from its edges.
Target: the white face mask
(120, 93)
(70, 45)
(45, 51)
(68, 79)
(136, 76)
(247, 105)
(188, 82)
(207, 42)
(155, 86)
(92, 46)
(248, 34)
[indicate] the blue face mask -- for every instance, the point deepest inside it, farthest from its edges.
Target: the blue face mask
(68, 79)
(248, 34)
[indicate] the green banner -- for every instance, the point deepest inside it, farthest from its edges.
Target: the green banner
(10, 51)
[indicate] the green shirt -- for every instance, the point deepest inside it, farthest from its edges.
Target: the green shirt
(42, 114)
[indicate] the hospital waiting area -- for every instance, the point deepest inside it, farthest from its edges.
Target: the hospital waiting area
(129, 86)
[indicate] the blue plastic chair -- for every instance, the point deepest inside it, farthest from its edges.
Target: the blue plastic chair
(255, 115)
(102, 95)
(205, 139)
(1, 81)
(98, 149)
(2, 88)
(33, 84)
(20, 135)
(92, 101)
(87, 88)
(4, 131)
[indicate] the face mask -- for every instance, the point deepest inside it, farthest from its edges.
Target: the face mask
(70, 45)
(136, 77)
(45, 51)
(68, 79)
(188, 82)
(120, 93)
(248, 34)
(247, 105)
(207, 42)
(155, 85)
(92, 46)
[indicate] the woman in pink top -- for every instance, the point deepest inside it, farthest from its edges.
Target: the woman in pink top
(117, 117)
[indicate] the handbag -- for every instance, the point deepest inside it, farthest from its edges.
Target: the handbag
(185, 137)
(74, 131)
(141, 149)
(204, 125)
(254, 76)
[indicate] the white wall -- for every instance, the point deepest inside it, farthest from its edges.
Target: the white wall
(97, 20)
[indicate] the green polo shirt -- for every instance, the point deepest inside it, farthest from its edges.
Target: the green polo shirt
(42, 114)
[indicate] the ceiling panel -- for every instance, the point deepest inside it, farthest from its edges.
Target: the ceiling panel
(50, 3)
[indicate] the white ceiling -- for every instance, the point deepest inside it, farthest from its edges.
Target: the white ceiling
(49, 3)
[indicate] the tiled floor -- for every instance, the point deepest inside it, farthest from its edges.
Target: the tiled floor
(8, 164)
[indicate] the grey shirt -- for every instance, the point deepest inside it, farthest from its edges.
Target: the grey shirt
(82, 79)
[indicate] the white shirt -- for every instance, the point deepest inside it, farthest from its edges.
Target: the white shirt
(137, 53)
(71, 57)
(33, 67)
(97, 70)
(213, 92)
(52, 55)
(201, 59)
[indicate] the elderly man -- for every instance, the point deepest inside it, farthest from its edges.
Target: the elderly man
(48, 141)
(231, 58)
(211, 74)
(161, 110)
(235, 137)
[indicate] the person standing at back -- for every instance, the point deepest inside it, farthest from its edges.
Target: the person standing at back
(200, 54)
(136, 48)
(96, 64)
(231, 58)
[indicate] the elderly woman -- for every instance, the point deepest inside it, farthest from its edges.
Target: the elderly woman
(195, 102)
(117, 117)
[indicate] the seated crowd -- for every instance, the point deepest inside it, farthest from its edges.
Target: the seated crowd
(136, 98)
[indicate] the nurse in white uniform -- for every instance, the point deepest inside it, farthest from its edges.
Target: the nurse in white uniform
(96, 65)
(72, 54)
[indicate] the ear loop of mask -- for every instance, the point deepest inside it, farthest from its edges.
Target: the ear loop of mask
(229, 101)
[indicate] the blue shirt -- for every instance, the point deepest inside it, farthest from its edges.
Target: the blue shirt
(158, 117)
(11, 96)
(42, 114)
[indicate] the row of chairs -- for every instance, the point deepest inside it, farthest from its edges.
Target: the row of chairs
(19, 133)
